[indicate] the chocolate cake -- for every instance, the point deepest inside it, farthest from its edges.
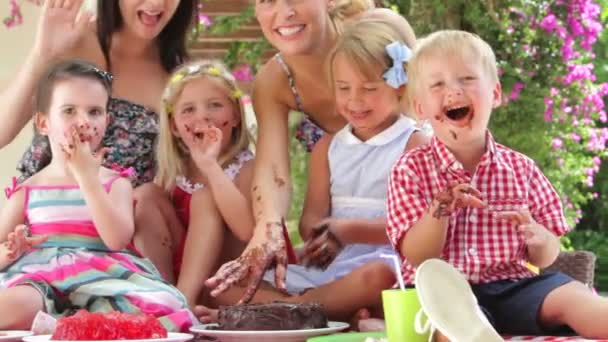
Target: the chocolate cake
(273, 316)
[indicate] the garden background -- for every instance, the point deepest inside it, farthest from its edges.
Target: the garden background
(553, 61)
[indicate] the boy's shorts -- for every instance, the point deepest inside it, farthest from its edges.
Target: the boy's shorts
(513, 306)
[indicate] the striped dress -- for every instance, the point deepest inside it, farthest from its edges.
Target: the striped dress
(74, 269)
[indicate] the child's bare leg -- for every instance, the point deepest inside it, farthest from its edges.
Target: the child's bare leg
(158, 231)
(341, 299)
(18, 307)
(574, 304)
(362, 288)
(203, 245)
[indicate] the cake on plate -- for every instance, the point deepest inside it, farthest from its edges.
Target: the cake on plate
(273, 316)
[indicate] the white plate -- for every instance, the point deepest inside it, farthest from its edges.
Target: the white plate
(266, 336)
(172, 337)
(13, 335)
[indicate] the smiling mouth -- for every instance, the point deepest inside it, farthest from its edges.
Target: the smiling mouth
(289, 31)
(457, 114)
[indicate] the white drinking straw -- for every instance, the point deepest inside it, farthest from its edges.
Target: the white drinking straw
(397, 265)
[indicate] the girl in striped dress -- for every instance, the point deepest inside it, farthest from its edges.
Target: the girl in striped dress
(65, 232)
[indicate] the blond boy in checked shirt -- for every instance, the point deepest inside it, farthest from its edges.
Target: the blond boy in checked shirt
(481, 207)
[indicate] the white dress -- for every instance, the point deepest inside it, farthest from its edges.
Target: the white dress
(359, 173)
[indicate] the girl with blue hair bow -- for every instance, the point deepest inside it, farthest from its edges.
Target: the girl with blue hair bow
(344, 216)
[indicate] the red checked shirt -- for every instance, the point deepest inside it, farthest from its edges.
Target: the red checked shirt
(481, 246)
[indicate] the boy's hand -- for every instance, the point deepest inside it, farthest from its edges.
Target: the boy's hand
(80, 159)
(324, 245)
(18, 242)
(457, 195)
(535, 235)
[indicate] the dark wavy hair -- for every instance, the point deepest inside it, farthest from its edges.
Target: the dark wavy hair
(171, 40)
(72, 68)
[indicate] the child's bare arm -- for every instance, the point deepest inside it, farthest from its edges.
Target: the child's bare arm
(11, 215)
(371, 231)
(233, 198)
(317, 200)
(112, 212)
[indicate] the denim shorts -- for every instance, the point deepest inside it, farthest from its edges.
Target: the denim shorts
(513, 306)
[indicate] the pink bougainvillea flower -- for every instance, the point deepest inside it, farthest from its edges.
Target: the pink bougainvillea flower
(15, 18)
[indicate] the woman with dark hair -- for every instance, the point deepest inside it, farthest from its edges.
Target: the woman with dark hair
(140, 42)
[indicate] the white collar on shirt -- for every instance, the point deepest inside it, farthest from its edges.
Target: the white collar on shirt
(402, 124)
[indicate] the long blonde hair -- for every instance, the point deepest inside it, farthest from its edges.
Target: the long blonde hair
(171, 153)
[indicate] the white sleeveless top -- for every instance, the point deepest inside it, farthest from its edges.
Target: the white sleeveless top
(359, 173)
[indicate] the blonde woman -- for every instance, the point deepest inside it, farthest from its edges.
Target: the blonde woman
(204, 164)
(304, 32)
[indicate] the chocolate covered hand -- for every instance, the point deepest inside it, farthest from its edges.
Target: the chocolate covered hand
(323, 247)
(457, 195)
(267, 247)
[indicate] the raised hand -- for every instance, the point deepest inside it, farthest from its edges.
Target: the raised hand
(266, 247)
(60, 28)
(323, 247)
(457, 195)
(76, 148)
(534, 234)
(18, 242)
(205, 145)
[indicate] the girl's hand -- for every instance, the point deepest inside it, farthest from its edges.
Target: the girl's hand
(18, 242)
(60, 28)
(267, 246)
(80, 159)
(456, 196)
(534, 234)
(324, 245)
(206, 143)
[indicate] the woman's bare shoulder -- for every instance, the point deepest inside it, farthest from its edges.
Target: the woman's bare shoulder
(271, 76)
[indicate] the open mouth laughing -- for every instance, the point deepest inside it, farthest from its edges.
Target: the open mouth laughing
(460, 116)
(149, 18)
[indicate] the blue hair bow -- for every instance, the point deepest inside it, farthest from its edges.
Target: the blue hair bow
(395, 76)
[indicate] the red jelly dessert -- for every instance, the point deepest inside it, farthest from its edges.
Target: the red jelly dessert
(86, 326)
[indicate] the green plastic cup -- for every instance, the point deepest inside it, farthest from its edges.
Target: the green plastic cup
(400, 310)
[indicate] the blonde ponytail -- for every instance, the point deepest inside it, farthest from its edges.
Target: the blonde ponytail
(343, 10)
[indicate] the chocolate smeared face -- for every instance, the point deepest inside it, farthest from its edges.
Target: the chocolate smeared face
(457, 93)
(204, 103)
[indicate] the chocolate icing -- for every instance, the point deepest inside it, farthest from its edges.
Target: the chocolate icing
(273, 316)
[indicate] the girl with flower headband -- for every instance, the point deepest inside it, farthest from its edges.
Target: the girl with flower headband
(204, 164)
(75, 251)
